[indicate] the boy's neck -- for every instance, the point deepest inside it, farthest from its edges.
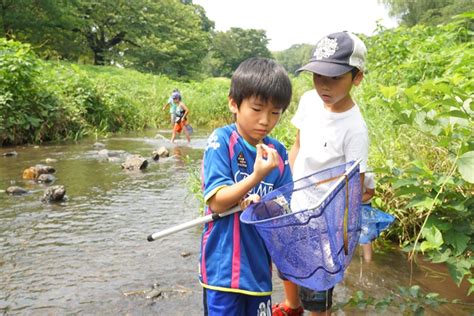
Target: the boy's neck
(342, 106)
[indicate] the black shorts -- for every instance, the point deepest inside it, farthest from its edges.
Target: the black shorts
(316, 301)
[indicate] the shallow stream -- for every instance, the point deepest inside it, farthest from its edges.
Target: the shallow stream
(89, 254)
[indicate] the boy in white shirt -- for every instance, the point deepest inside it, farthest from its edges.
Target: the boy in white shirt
(331, 131)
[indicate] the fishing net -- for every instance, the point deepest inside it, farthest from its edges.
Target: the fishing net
(373, 222)
(311, 227)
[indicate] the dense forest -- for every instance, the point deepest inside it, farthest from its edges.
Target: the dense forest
(72, 69)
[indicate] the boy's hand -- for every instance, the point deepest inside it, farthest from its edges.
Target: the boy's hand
(267, 159)
(253, 198)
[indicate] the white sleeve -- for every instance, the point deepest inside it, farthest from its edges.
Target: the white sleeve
(369, 181)
(300, 114)
(357, 147)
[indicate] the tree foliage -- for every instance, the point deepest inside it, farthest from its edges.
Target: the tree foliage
(294, 57)
(427, 12)
(166, 36)
(230, 48)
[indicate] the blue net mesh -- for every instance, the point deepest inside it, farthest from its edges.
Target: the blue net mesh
(373, 222)
(306, 228)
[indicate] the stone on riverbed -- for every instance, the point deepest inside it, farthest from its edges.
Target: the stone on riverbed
(160, 153)
(135, 162)
(54, 193)
(45, 178)
(10, 154)
(98, 145)
(32, 173)
(14, 190)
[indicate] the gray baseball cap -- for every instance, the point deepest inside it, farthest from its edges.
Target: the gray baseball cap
(336, 54)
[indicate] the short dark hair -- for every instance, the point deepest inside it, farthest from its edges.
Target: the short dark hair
(263, 78)
(354, 72)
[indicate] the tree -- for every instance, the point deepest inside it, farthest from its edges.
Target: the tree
(429, 12)
(174, 41)
(230, 48)
(166, 36)
(294, 57)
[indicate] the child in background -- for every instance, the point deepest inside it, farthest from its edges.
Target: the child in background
(331, 131)
(181, 113)
(241, 163)
(374, 221)
(172, 106)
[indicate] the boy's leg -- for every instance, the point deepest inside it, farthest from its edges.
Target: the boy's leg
(318, 302)
(292, 298)
(292, 304)
(367, 251)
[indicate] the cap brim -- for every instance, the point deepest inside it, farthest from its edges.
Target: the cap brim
(325, 69)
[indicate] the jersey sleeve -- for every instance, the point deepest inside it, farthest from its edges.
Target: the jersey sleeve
(286, 176)
(217, 171)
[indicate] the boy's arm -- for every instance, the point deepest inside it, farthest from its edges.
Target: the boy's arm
(362, 176)
(267, 159)
(294, 150)
(368, 194)
(186, 110)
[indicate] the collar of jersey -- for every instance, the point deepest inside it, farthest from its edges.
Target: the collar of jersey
(247, 144)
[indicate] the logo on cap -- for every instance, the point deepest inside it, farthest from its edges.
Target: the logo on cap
(325, 48)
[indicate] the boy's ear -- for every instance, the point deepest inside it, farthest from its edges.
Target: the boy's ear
(358, 78)
(233, 105)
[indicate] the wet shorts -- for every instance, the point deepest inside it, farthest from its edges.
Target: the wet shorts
(178, 127)
(235, 304)
(315, 301)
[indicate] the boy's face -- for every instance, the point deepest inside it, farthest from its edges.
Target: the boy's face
(334, 91)
(255, 119)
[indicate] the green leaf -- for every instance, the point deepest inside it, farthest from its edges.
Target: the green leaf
(425, 202)
(388, 92)
(404, 182)
(441, 257)
(466, 166)
(434, 239)
(458, 240)
(458, 269)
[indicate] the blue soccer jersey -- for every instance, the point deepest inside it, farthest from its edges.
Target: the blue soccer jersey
(233, 256)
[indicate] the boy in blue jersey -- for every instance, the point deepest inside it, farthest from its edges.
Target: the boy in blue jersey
(241, 164)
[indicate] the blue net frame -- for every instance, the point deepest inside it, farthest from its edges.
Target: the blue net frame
(311, 227)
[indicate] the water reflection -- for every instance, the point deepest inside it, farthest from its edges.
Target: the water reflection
(82, 256)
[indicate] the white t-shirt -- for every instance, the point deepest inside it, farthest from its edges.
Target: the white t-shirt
(328, 139)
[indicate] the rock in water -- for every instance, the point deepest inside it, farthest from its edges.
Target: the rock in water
(98, 145)
(163, 152)
(10, 154)
(32, 173)
(54, 193)
(155, 156)
(135, 162)
(45, 178)
(14, 190)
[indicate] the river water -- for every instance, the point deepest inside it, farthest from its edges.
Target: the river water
(89, 255)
